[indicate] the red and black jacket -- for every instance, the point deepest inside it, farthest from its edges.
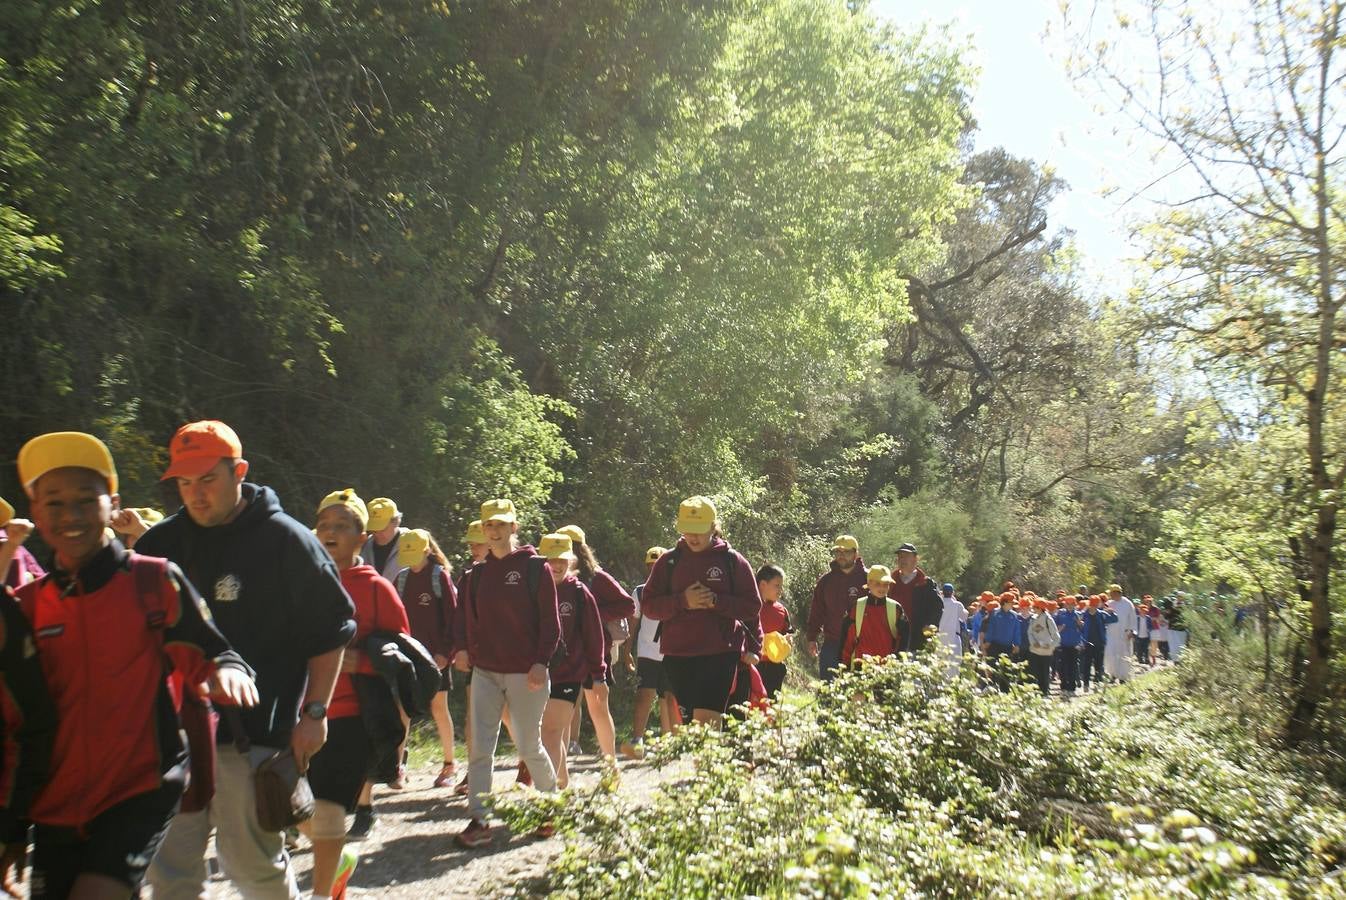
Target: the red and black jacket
(106, 637)
(583, 637)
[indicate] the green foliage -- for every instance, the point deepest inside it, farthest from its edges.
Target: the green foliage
(897, 781)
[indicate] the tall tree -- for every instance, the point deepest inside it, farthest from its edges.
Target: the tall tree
(1246, 104)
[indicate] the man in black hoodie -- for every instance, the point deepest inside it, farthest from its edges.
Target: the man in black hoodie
(918, 596)
(275, 594)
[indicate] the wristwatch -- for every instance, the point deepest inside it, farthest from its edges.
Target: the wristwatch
(315, 709)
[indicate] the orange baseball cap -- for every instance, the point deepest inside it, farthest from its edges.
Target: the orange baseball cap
(197, 446)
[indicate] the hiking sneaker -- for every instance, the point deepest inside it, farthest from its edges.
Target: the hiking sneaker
(343, 873)
(461, 790)
(545, 830)
(446, 773)
(574, 749)
(363, 824)
(524, 777)
(633, 749)
(292, 839)
(400, 782)
(476, 834)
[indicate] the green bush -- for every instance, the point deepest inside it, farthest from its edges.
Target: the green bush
(898, 781)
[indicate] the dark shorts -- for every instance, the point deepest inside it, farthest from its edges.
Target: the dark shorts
(446, 679)
(652, 676)
(702, 682)
(773, 676)
(118, 844)
(569, 691)
(608, 679)
(337, 771)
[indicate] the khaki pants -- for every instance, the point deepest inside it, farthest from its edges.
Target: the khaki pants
(490, 690)
(253, 859)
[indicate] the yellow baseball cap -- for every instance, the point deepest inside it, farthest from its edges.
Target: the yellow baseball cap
(412, 547)
(1114, 589)
(652, 555)
(498, 511)
(65, 449)
(474, 533)
(382, 511)
(775, 647)
(696, 515)
(6, 512)
(846, 542)
(348, 498)
(576, 533)
(877, 574)
(556, 546)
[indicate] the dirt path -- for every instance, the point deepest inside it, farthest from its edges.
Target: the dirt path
(411, 852)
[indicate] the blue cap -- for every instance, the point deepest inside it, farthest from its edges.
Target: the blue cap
(948, 588)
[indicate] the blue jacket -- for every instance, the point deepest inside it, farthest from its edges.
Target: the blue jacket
(1021, 641)
(1071, 627)
(1096, 622)
(974, 626)
(1003, 628)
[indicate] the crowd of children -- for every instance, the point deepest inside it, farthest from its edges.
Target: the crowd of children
(298, 630)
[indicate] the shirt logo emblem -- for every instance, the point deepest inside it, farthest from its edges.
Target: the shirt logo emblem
(565, 608)
(227, 589)
(855, 592)
(714, 573)
(513, 578)
(424, 599)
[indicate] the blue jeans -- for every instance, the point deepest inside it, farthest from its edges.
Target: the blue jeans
(829, 659)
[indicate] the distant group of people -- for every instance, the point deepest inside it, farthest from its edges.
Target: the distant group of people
(256, 636)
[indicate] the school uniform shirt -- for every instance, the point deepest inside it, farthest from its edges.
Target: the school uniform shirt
(834, 599)
(876, 638)
(1003, 628)
(1071, 628)
(974, 624)
(102, 647)
(431, 620)
(506, 630)
(377, 608)
(582, 635)
(703, 632)
(1096, 622)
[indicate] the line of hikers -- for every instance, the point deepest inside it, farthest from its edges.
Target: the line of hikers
(165, 662)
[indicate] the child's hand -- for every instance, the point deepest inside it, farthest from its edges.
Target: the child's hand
(17, 530)
(750, 659)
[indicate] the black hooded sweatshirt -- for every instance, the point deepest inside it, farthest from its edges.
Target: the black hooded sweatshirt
(274, 594)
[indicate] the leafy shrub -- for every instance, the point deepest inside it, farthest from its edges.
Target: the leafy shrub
(897, 781)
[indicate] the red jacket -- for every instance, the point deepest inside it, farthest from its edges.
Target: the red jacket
(102, 643)
(28, 715)
(703, 632)
(922, 605)
(583, 637)
(377, 608)
(502, 628)
(876, 638)
(834, 599)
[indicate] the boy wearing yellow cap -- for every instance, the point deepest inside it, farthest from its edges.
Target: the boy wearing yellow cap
(337, 772)
(704, 593)
(877, 625)
(133, 612)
